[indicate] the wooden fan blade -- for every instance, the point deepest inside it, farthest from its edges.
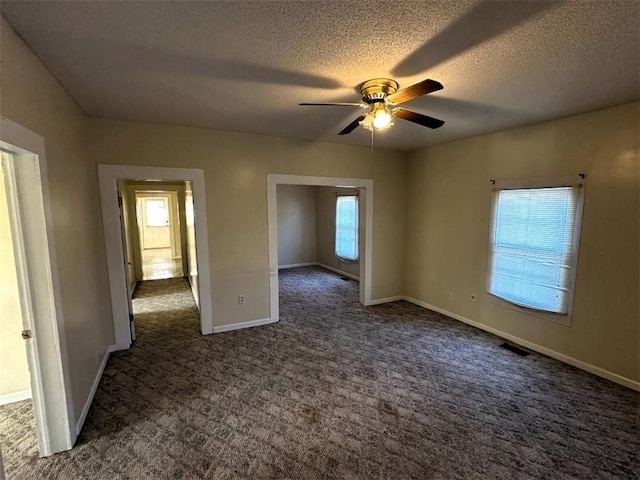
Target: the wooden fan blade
(361, 105)
(417, 90)
(418, 118)
(352, 126)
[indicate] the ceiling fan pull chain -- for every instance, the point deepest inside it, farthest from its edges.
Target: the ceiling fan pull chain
(372, 141)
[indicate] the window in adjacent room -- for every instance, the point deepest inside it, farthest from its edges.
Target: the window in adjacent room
(347, 227)
(533, 246)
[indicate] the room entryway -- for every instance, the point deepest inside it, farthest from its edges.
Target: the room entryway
(158, 238)
(319, 228)
(172, 199)
(160, 218)
(320, 221)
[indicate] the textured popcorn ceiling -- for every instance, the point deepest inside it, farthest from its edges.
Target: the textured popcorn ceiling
(244, 66)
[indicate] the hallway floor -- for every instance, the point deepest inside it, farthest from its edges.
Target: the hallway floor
(158, 263)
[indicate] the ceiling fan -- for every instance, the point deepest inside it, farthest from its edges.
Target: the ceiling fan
(379, 96)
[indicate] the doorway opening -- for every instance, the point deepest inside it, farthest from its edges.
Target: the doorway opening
(157, 244)
(158, 218)
(146, 211)
(297, 241)
(34, 381)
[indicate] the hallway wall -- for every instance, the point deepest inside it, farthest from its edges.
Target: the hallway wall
(190, 238)
(131, 256)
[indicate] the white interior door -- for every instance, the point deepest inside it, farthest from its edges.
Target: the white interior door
(14, 369)
(36, 272)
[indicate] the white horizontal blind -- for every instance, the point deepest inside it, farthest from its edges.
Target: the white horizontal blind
(532, 246)
(347, 227)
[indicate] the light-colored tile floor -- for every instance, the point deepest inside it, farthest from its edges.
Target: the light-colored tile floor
(158, 263)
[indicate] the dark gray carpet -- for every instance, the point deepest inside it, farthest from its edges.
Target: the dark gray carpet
(337, 390)
(17, 437)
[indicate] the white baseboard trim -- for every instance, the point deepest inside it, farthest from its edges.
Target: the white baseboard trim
(240, 325)
(94, 388)
(601, 372)
(379, 301)
(296, 265)
(8, 398)
(194, 290)
(339, 272)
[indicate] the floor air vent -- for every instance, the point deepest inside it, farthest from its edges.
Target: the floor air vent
(514, 349)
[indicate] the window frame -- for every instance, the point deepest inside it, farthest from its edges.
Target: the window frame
(539, 183)
(357, 228)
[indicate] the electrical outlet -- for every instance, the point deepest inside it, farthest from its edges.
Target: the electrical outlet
(474, 297)
(240, 299)
(449, 296)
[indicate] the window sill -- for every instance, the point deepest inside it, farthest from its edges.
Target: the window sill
(564, 320)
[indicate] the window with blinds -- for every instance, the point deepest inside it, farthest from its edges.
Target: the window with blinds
(347, 228)
(533, 246)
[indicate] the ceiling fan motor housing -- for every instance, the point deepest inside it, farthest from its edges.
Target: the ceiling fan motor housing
(377, 89)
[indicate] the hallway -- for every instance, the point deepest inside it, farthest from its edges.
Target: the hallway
(164, 309)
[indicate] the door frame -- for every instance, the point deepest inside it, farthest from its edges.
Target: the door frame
(36, 265)
(366, 263)
(108, 176)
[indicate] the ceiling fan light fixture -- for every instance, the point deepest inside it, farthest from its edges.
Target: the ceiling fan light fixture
(381, 93)
(381, 119)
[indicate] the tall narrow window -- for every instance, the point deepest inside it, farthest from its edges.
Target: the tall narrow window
(347, 228)
(533, 246)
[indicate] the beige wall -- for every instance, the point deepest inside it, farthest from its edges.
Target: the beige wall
(32, 98)
(236, 166)
(14, 370)
(448, 229)
(296, 224)
(326, 226)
